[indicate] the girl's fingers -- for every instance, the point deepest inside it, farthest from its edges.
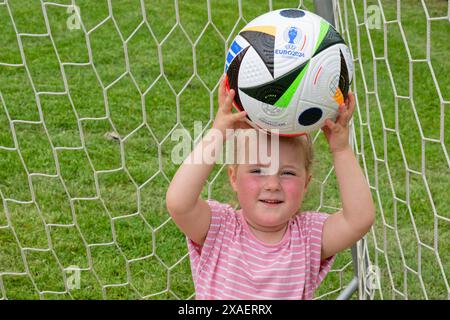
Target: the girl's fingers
(240, 116)
(244, 124)
(330, 124)
(222, 90)
(346, 110)
(228, 104)
(343, 116)
(326, 131)
(350, 107)
(340, 119)
(351, 104)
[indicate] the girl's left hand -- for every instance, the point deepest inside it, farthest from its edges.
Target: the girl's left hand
(337, 133)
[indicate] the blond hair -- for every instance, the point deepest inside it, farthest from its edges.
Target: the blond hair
(303, 142)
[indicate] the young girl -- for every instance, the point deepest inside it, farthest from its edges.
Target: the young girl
(267, 249)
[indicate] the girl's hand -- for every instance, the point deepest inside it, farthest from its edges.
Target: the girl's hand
(225, 118)
(337, 133)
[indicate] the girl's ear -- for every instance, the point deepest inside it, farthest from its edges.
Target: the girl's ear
(232, 171)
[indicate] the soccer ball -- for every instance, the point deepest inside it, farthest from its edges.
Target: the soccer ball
(290, 70)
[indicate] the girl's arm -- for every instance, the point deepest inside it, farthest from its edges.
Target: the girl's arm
(343, 229)
(187, 209)
(189, 212)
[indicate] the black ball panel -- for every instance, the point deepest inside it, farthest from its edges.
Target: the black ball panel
(270, 95)
(232, 74)
(272, 91)
(344, 83)
(310, 116)
(263, 44)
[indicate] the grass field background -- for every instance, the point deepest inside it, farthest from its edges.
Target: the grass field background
(84, 171)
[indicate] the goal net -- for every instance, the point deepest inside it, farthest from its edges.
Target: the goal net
(92, 94)
(400, 138)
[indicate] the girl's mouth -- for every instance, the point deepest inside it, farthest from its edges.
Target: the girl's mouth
(271, 203)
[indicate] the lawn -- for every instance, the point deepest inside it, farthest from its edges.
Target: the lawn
(85, 146)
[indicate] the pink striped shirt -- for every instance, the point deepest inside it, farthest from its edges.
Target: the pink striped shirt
(234, 264)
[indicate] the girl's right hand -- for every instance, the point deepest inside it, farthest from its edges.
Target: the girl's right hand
(225, 118)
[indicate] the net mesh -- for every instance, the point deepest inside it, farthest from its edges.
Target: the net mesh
(91, 93)
(401, 142)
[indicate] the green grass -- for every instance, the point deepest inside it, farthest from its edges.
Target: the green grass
(73, 197)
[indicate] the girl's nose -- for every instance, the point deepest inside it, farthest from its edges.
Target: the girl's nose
(272, 182)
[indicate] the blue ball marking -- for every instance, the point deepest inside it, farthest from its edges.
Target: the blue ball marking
(292, 34)
(292, 13)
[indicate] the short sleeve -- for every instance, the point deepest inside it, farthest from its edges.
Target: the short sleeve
(311, 225)
(200, 255)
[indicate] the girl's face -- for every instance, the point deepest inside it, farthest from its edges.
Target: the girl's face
(269, 201)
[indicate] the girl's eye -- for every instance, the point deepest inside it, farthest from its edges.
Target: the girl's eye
(255, 171)
(289, 173)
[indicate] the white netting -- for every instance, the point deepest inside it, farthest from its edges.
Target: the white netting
(403, 94)
(85, 151)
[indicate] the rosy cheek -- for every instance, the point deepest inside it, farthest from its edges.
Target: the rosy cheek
(291, 188)
(249, 184)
